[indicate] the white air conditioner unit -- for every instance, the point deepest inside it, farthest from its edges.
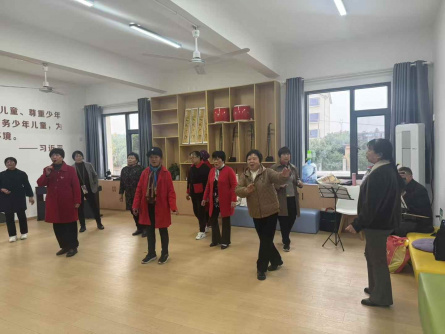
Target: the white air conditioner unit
(410, 149)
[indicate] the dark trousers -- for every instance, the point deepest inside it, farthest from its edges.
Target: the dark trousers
(378, 273)
(199, 211)
(226, 228)
(287, 222)
(66, 234)
(407, 226)
(136, 221)
(265, 227)
(91, 198)
(10, 223)
(151, 235)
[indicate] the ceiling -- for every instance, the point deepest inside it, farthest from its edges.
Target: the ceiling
(265, 26)
(297, 23)
(56, 74)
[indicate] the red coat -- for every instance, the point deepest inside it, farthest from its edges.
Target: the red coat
(165, 199)
(226, 190)
(63, 193)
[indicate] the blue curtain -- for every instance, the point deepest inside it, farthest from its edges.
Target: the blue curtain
(94, 138)
(294, 109)
(144, 108)
(411, 104)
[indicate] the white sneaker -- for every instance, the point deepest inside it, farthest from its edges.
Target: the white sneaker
(24, 236)
(13, 239)
(200, 235)
(207, 229)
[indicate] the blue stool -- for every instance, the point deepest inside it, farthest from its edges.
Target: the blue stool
(308, 222)
(241, 217)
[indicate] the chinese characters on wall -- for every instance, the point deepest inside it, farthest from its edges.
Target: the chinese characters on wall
(12, 119)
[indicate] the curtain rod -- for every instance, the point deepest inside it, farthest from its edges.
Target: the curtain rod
(118, 105)
(354, 75)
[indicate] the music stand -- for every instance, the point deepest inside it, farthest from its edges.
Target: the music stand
(334, 191)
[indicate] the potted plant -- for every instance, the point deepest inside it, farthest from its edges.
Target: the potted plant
(174, 171)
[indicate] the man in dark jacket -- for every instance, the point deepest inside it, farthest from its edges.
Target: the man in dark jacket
(419, 217)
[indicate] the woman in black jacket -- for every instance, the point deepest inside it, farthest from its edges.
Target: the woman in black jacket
(196, 184)
(379, 213)
(130, 176)
(14, 188)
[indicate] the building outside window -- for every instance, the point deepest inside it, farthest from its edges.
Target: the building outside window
(341, 125)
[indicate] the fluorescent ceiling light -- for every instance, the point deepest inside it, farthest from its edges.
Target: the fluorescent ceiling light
(154, 35)
(341, 7)
(86, 2)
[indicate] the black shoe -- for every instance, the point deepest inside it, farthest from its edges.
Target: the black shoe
(137, 232)
(223, 246)
(286, 248)
(213, 244)
(144, 234)
(163, 259)
(261, 275)
(367, 291)
(71, 252)
(62, 251)
(274, 267)
(149, 258)
(100, 226)
(82, 229)
(368, 302)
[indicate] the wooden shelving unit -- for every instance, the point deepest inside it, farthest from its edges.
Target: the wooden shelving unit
(168, 120)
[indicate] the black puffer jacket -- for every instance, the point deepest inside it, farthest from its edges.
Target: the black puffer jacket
(379, 202)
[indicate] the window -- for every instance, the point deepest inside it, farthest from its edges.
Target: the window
(347, 120)
(121, 138)
(313, 133)
(314, 118)
(314, 101)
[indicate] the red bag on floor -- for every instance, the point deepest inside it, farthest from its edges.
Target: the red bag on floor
(397, 253)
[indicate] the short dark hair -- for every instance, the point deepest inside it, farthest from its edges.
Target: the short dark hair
(383, 147)
(284, 150)
(406, 170)
(219, 154)
(76, 153)
(154, 151)
(196, 154)
(256, 152)
(12, 159)
(59, 151)
(133, 154)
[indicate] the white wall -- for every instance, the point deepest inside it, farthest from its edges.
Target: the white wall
(358, 55)
(439, 111)
(72, 135)
(116, 98)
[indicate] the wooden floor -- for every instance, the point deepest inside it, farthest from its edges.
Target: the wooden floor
(105, 288)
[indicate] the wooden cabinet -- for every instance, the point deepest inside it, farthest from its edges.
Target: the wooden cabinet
(109, 197)
(264, 101)
(310, 198)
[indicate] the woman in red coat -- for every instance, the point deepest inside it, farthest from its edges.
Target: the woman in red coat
(155, 197)
(220, 192)
(62, 201)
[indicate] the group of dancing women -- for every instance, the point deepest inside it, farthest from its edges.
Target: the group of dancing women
(271, 195)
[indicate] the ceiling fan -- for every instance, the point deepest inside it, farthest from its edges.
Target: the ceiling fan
(196, 60)
(46, 88)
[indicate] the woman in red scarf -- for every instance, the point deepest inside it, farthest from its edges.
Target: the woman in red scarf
(220, 192)
(155, 197)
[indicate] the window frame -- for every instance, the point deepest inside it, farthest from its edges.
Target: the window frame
(353, 117)
(128, 134)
